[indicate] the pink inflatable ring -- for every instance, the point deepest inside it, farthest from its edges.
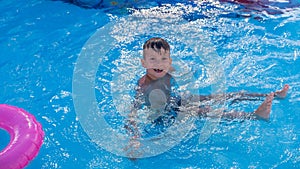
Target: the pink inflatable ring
(26, 137)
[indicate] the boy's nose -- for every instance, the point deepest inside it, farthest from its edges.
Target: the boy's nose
(159, 62)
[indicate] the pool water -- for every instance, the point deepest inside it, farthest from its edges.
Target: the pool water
(42, 41)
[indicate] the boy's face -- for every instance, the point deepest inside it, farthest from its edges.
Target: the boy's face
(156, 63)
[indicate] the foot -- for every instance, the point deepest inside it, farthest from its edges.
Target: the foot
(282, 93)
(263, 111)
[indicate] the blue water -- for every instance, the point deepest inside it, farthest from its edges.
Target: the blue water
(41, 41)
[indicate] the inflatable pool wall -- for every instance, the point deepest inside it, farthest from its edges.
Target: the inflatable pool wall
(251, 4)
(121, 3)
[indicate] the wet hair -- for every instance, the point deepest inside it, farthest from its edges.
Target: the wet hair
(157, 44)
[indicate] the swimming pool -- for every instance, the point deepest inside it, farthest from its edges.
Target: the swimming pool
(42, 40)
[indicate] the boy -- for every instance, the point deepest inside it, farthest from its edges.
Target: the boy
(157, 93)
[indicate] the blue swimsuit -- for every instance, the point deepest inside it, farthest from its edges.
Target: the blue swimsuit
(169, 88)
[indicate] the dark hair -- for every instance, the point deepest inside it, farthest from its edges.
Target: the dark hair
(156, 44)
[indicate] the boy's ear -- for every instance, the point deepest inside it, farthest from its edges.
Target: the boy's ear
(143, 63)
(172, 69)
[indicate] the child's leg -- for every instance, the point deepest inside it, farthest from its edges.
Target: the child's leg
(239, 96)
(282, 93)
(279, 94)
(262, 112)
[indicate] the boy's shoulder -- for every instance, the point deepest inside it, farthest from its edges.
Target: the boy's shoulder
(142, 80)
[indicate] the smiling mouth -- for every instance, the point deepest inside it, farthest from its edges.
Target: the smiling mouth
(158, 70)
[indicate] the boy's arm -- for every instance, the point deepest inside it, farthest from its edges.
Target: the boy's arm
(131, 124)
(134, 144)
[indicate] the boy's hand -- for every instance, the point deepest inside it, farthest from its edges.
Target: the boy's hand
(133, 148)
